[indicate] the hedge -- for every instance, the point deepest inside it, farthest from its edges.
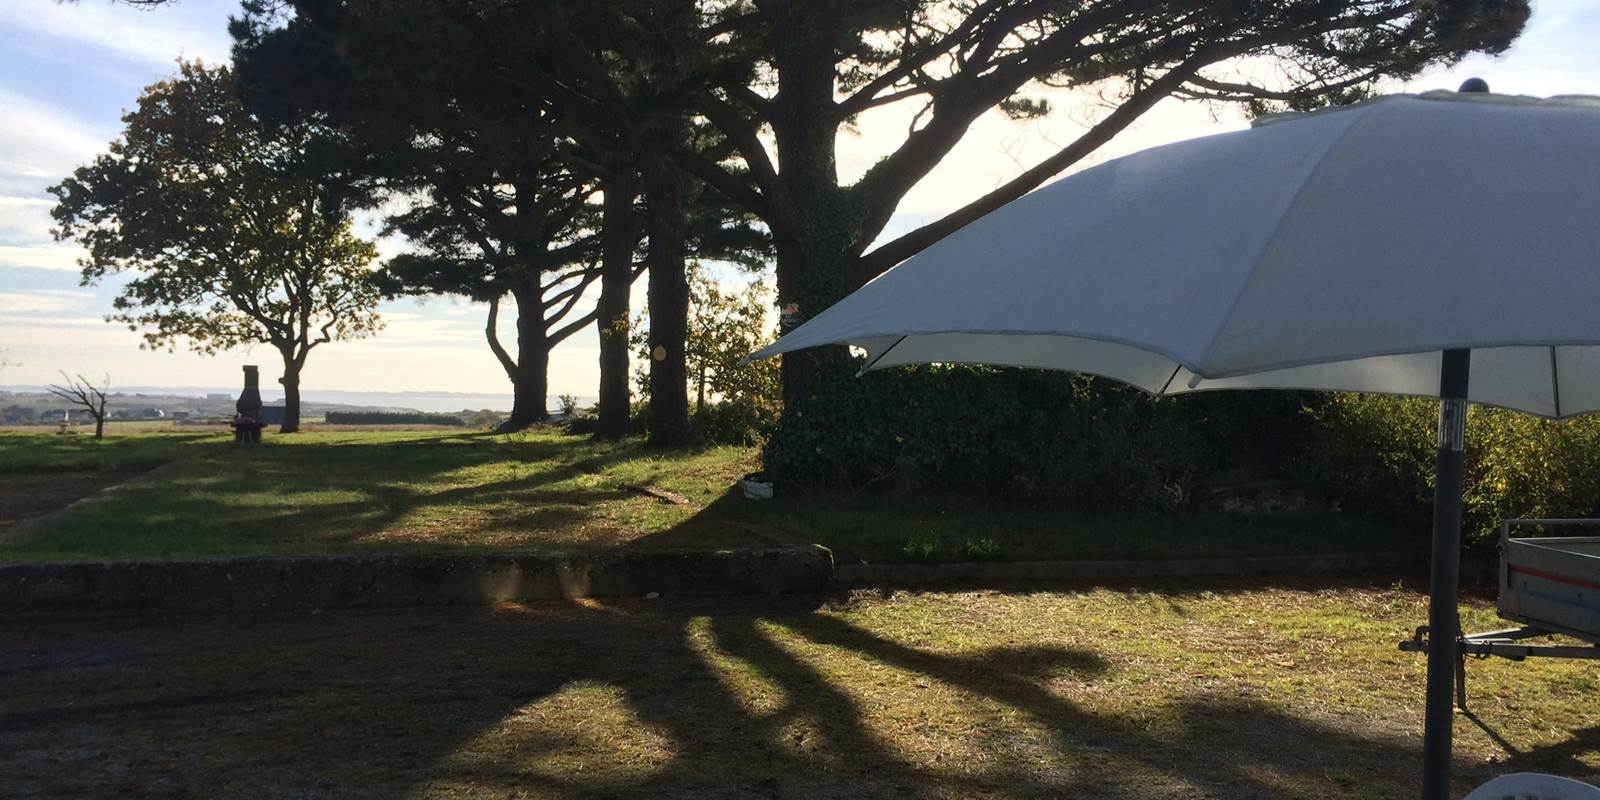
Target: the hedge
(392, 418)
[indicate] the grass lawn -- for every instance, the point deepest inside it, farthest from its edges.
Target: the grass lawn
(1228, 691)
(341, 491)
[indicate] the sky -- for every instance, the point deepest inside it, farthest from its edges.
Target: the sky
(69, 71)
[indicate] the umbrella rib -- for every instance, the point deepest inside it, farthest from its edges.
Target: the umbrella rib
(1555, 381)
(879, 357)
(1312, 169)
(1170, 379)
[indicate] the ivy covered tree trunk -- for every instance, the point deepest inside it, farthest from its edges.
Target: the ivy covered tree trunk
(668, 301)
(814, 261)
(812, 274)
(530, 372)
(616, 280)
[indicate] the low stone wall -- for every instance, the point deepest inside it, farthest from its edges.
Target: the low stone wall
(1004, 572)
(300, 584)
(260, 584)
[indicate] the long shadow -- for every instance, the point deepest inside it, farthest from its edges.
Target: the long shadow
(713, 699)
(1559, 758)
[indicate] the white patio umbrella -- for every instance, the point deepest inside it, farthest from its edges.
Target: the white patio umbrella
(1395, 246)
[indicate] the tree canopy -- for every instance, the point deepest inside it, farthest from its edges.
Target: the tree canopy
(796, 76)
(227, 225)
(530, 147)
(485, 185)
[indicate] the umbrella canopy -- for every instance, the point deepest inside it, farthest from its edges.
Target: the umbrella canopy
(1401, 245)
(1340, 249)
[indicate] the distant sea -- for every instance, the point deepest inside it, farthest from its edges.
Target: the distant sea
(416, 401)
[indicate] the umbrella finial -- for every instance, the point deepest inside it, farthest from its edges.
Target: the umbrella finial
(1474, 85)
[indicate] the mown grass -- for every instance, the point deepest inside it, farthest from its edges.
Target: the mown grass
(49, 453)
(390, 491)
(1215, 691)
(878, 530)
(330, 492)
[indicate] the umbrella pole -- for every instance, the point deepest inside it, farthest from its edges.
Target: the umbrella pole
(1444, 621)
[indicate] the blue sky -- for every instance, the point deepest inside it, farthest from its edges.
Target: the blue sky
(67, 72)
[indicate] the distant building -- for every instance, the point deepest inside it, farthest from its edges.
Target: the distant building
(55, 415)
(179, 415)
(150, 413)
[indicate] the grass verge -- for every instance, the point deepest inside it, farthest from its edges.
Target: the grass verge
(339, 492)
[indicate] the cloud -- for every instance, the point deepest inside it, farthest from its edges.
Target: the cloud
(28, 322)
(40, 144)
(61, 258)
(24, 220)
(154, 36)
(414, 330)
(41, 302)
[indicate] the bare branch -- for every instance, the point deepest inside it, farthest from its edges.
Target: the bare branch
(82, 392)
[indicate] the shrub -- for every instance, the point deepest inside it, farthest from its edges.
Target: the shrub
(738, 421)
(1375, 454)
(583, 422)
(1086, 442)
(482, 418)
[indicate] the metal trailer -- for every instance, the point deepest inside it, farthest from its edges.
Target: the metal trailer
(1550, 585)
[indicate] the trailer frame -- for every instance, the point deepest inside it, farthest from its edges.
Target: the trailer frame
(1517, 606)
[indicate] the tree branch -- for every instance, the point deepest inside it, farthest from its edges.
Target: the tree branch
(576, 293)
(867, 96)
(578, 324)
(729, 184)
(572, 293)
(886, 256)
(491, 331)
(743, 133)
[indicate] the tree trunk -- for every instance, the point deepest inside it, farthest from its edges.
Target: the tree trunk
(530, 380)
(668, 297)
(813, 264)
(618, 236)
(291, 395)
(100, 426)
(700, 396)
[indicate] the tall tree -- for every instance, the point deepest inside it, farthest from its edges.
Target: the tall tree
(627, 73)
(619, 231)
(494, 196)
(228, 224)
(815, 67)
(529, 236)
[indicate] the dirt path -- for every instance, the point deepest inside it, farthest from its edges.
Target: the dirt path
(24, 498)
(31, 498)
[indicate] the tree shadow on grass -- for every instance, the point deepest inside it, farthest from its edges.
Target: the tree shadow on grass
(726, 699)
(317, 497)
(1558, 758)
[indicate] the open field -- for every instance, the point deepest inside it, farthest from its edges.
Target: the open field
(1202, 692)
(325, 492)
